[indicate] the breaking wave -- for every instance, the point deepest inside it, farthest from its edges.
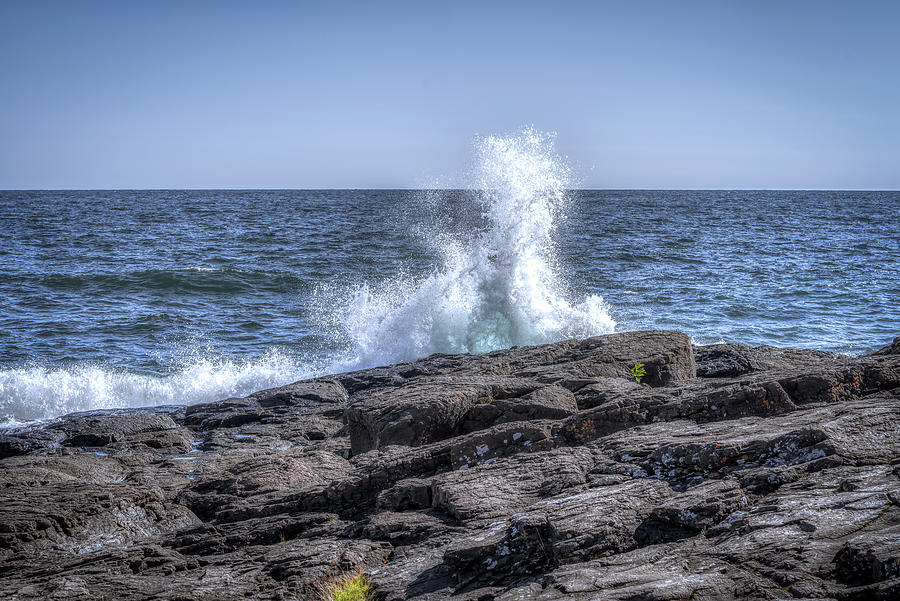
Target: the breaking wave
(494, 288)
(35, 392)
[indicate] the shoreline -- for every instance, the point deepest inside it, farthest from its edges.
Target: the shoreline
(543, 472)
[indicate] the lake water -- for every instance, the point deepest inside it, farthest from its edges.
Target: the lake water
(127, 298)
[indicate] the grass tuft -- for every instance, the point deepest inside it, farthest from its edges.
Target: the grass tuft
(351, 587)
(638, 372)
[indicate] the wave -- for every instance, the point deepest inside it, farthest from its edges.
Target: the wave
(496, 285)
(493, 289)
(35, 392)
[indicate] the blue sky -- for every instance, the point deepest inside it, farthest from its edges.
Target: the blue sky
(390, 94)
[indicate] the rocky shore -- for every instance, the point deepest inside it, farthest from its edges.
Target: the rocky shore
(536, 473)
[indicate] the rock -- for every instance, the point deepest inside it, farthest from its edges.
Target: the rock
(606, 391)
(74, 518)
(101, 430)
(297, 402)
(725, 361)
(534, 473)
(489, 491)
(660, 573)
(668, 358)
(870, 558)
(411, 493)
(302, 393)
(10, 446)
(403, 529)
(548, 402)
(692, 512)
(423, 411)
(794, 534)
(486, 446)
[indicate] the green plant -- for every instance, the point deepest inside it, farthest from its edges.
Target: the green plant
(350, 587)
(638, 372)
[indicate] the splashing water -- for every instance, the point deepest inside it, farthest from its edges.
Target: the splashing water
(495, 290)
(495, 287)
(39, 392)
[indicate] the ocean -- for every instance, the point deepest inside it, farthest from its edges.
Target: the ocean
(121, 298)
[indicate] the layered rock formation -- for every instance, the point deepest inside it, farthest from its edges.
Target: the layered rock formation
(538, 473)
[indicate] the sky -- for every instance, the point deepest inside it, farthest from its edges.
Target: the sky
(388, 94)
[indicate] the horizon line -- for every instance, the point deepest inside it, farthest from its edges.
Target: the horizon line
(383, 189)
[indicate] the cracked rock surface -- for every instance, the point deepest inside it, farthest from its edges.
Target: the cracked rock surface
(534, 473)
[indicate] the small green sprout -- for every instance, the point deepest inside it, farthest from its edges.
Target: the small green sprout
(638, 372)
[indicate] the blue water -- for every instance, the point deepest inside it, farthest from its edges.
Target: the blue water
(125, 298)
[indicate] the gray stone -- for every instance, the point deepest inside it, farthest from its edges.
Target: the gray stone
(535, 473)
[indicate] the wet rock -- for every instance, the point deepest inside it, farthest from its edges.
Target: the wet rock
(74, 518)
(796, 531)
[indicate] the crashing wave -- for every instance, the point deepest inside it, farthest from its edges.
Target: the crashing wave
(494, 289)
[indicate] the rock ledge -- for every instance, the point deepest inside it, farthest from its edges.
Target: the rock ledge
(534, 473)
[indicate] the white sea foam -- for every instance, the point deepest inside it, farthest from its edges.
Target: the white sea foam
(40, 392)
(494, 289)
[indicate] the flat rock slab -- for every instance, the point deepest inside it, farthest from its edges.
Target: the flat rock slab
(535, 473)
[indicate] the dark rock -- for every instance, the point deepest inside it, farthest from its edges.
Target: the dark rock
(414, 414)
(549, 402)
(692, 512)
(300, 393)
(661, 573)
(725, 361)
(406, 494)
(668, 358)
(101, 430)
(535, 473)
(870, 558)
(497, 489)
(486, 446)
(403, 529)
(229, 413)
(606, 391)
(10, 446)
